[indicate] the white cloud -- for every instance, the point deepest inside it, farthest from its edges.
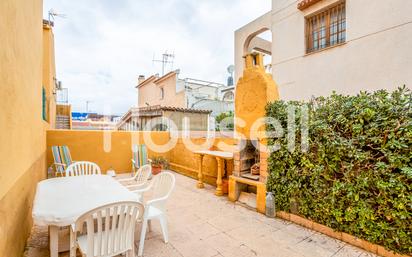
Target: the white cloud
(103, 45)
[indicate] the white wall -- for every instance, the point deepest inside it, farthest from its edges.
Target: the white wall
(377, 53)
(242, 34)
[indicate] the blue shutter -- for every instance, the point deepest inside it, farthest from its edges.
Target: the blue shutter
(44, 104)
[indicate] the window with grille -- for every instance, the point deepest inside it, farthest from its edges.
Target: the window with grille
(326, 29)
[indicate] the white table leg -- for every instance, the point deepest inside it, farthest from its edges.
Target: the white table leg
(54, 241)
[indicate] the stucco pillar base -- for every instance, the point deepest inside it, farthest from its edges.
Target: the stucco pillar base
(238, 184)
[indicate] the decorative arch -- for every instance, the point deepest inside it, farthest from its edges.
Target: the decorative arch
(248, 44)
(248, 39)
(228, 96)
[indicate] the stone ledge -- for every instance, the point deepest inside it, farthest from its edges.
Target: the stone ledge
(234, 191)
(345, 237)
(302, 5)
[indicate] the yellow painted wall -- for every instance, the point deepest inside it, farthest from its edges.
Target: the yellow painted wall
(22, 129)
(16, 209)
(49, 73)
(185, 162)
(106, 148)
(89, 146)
(254, 90)
(65, 109)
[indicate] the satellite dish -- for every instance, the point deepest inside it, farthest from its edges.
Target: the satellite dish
(231, 69)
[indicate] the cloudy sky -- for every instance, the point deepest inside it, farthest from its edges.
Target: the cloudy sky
(103, 45)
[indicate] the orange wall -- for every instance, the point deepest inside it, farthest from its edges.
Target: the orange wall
(107, 149)
(185, 161)
(49, 73)
(22, 129)
(89, 146)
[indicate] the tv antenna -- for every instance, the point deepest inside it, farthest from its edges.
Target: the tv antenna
(166, 59)
(53, 14)
(87, 105)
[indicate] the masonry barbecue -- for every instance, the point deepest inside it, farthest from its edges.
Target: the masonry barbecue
(254, 90)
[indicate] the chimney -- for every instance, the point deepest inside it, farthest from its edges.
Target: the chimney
(140, 79)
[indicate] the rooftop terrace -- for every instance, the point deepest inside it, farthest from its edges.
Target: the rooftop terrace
(203, 225)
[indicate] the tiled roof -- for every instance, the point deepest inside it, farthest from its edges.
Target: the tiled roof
(167, 75)
(140, 111)
(171, 108)
(306, 3)
(146, 81)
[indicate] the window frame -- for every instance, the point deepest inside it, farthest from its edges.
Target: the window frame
(162, 93)
(44, 104)
(340, 28)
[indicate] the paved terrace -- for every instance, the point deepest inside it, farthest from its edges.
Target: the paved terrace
(204, 225)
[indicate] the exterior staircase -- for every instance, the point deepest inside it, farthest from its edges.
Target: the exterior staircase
(62, 122)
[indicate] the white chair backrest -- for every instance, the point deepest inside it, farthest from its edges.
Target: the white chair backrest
(143, 174)
(82, 168)
(163, 185)
(110, 228)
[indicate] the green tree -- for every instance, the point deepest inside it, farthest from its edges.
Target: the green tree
(225, 121)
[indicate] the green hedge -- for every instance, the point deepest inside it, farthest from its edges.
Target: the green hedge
(356, 176)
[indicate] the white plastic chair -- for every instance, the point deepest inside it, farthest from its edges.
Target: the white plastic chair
(82, 168)
(162, 186)
(109, 230)
(140, 179)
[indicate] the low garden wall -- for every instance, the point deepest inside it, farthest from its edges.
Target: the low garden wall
(113, 149)
(356, 175)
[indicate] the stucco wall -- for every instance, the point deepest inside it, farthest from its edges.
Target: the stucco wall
(171, 97)
(246, 34)
(106, 148)
(49, 73)
(185, 162)
(22, 130)
(150, 93)
(90, 146)
(377, 53)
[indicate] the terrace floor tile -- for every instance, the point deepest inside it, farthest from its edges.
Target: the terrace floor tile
(204, 225)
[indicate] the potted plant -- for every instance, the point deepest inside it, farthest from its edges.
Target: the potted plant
(159, 163)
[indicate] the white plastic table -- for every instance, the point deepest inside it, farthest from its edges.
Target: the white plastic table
(60, 201)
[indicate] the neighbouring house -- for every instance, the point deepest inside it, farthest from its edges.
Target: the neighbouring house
(171, 91)
(159, 118)
(188, 103)
(55, 108)
(320, 46)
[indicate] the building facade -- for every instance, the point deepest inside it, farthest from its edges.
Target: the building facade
(27, 78)
(321, 46)
(161, 118)
(171, 91)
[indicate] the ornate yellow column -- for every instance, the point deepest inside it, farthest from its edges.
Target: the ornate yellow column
(219, 190)
(200, 174)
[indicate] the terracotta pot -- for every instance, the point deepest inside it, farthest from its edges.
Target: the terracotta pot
(156, 169)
